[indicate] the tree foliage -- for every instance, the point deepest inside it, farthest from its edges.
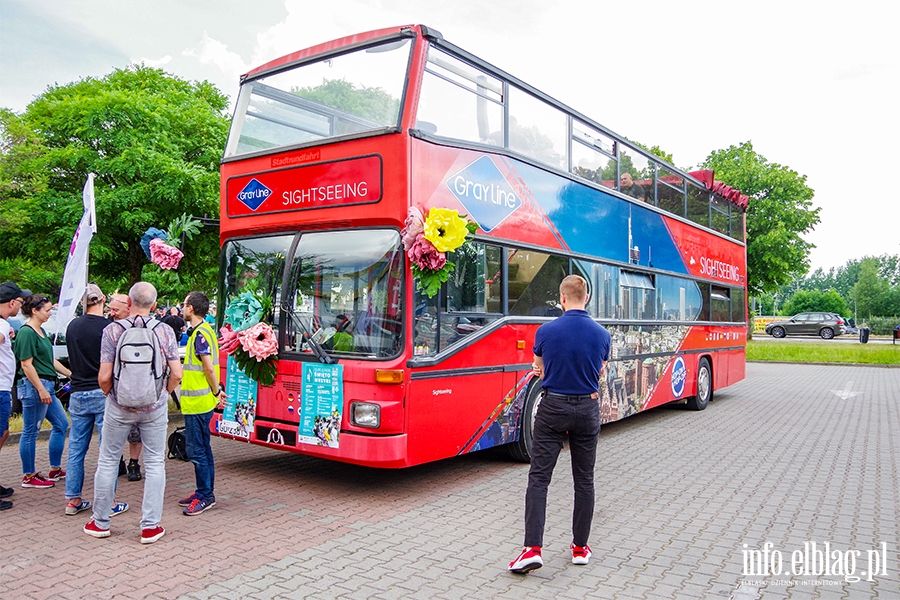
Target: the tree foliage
(810, 301)
(371, 103)
(153, 140)
(780, 211)
(872, 294)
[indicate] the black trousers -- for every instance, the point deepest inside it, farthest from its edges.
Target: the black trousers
(559, 418)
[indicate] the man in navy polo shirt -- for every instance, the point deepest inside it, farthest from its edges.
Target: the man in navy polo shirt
(568, 356)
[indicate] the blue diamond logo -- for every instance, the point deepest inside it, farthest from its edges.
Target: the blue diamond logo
(254, 194)
(485, 193)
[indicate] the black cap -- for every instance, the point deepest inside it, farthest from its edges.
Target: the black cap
(10, 291)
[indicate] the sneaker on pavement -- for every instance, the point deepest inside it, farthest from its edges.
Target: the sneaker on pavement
(5, 504)
(529, 560)
(92, 530)
(148, 536)
(74, 509)
(118, 508)
(6, 492)
(36, 481)
(122, 468)
(187, 501)
(199, 505)
(581, 555)
(56, 474)
(134, 470)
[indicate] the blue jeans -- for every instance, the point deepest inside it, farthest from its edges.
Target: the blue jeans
(559, 418)
(86, 410)
(199, 451)
(33, 414)
(117, 424)
(5, 410)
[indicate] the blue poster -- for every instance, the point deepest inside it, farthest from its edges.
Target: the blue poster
(321, 403)
(240, 405)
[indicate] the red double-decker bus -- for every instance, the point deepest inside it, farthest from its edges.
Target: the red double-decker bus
(330, 151)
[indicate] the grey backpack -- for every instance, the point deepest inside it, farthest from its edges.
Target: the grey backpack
(139, 372)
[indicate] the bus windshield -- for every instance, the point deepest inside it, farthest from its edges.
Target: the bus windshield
(342, 95)
(346, 294)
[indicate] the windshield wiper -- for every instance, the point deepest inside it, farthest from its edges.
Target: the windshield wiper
(313, 345)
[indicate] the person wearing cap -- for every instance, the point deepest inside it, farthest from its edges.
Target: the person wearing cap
(37, 392)
(11, 297)
(87, 402)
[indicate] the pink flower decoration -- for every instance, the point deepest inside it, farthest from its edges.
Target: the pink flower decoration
(425, 255)
(259, 341)
(415, 225)
(229, 340)
(164, 255)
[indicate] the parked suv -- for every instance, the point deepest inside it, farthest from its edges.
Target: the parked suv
(826, 325)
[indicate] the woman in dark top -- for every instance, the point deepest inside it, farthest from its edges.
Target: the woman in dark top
(36, 390)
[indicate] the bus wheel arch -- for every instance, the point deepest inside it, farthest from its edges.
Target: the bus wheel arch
(704, 387)
(520, 450)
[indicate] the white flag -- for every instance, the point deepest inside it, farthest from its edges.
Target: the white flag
(75, 276)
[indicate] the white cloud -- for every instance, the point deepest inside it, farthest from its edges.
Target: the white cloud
(155, 62)
(215, 53)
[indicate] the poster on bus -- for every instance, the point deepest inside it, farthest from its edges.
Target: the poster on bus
(240, 405)
(320, 404)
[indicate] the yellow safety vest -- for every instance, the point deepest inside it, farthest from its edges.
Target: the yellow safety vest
(196, 396)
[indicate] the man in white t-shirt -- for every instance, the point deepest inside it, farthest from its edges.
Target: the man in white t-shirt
(11, 297)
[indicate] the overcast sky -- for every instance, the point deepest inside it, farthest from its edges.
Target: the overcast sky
(813, 85)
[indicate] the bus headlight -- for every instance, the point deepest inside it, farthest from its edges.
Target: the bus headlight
(365, 414)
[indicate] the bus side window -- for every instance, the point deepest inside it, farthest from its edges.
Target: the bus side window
(534, 279)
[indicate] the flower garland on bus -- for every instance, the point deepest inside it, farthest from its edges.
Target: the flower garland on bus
(250, 341)
(427, 239)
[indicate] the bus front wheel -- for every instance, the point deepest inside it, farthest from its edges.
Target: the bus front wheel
(704, 387)
(520, 450)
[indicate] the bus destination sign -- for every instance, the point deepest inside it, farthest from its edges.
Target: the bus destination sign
(337, 183)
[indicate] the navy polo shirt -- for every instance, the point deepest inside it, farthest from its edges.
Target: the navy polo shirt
(573, 348)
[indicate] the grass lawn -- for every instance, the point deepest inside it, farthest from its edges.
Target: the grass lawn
(806, 352)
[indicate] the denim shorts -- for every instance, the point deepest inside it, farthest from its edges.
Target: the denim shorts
(5, 410)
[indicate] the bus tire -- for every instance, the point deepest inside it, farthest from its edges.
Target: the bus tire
(704, 386)
(520, 450)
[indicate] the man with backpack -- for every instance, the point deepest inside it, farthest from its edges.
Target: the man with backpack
(139, 366)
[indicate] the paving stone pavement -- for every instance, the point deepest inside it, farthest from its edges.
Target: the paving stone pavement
(794, 454)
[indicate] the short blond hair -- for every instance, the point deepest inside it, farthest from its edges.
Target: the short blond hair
(574, 287)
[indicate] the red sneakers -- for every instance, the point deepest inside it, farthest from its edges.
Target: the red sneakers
(56, 474)
(92, 530)
(36, 481)
(148, 536)
(529, 560)
(580, 554)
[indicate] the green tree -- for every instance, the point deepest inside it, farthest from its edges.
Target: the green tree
(153, 140)
(806, 301)
(780, 211)
(371, 103)
(872, 294)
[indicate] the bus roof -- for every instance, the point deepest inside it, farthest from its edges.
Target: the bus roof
(344, 44)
